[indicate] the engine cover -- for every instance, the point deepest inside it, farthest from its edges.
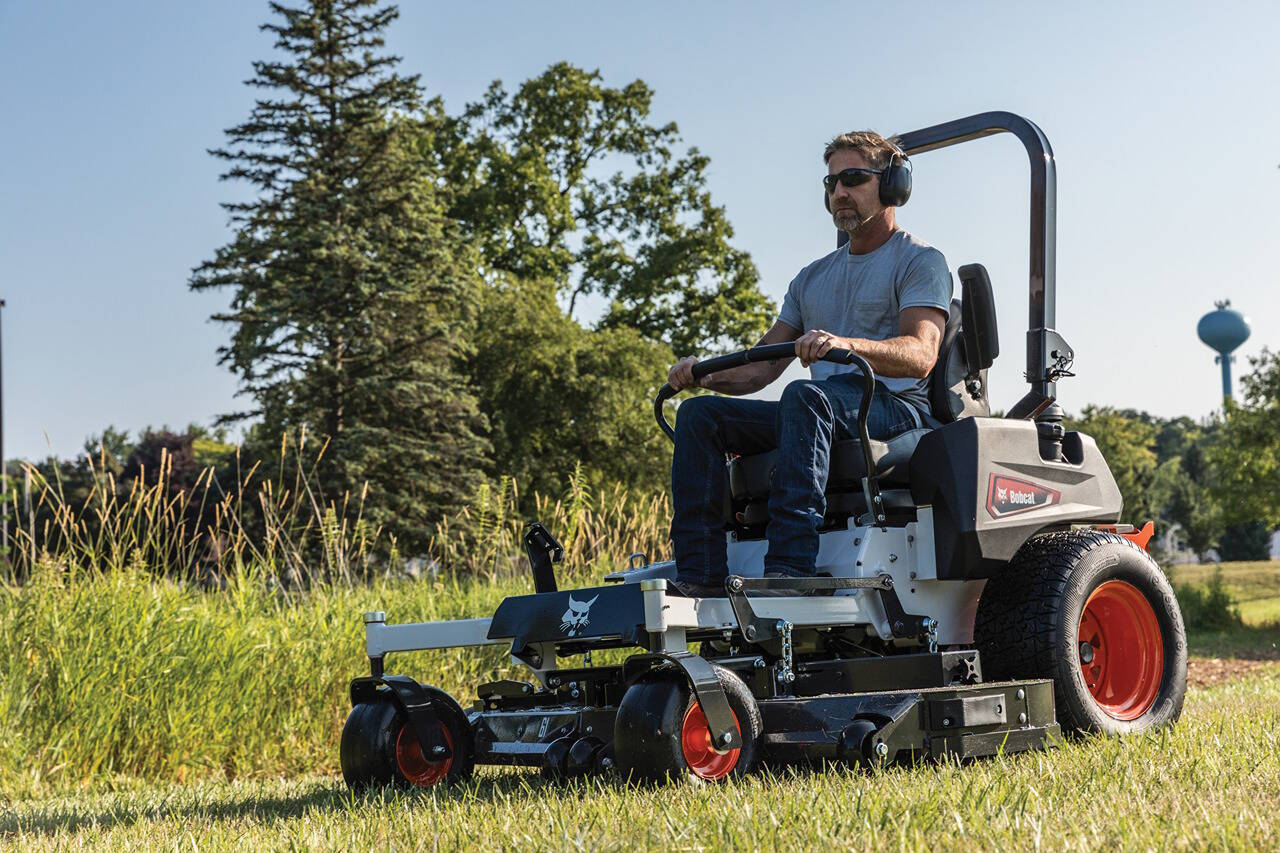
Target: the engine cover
(991, 491)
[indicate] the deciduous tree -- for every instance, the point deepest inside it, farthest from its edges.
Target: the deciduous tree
(566, 180)
(1127, 443)
(1245, 457)
(559, 395)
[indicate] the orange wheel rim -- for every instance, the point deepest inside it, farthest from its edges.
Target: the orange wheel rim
(704, 760)
(1121, 650)
(413, 765)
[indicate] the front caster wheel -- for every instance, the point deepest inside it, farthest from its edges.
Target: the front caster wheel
(662, 733)
(379, 747)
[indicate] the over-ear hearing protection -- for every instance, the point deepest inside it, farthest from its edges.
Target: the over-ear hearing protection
(895, 183)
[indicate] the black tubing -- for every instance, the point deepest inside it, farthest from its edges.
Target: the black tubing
(770, 352)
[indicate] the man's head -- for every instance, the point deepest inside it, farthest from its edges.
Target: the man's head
(855, 165)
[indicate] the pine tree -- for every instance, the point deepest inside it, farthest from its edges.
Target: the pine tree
(352, 292)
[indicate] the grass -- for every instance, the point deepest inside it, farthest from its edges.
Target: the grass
(124, 675)
(139, 710)
(1211, 781)
(122, 661)
(1254, 586)
(1252, 642)
(107, 678)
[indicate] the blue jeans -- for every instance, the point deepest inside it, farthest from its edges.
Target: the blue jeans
(804, 423)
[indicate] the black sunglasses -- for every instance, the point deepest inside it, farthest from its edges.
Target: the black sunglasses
(849, 177)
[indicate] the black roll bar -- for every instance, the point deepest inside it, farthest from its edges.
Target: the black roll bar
(1048, 355)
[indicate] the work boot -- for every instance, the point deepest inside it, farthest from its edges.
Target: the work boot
(689, 589)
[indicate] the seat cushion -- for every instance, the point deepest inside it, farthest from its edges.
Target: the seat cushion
(751, 477)
(840, 505)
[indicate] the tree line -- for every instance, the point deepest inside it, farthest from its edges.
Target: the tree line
(1217, 480)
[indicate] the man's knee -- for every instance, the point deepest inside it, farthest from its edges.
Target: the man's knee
(805, 396)
(699, 415)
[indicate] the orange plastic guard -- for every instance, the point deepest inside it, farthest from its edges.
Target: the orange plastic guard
(1140, 537)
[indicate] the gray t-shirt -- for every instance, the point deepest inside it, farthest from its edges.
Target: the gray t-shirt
(859, 296)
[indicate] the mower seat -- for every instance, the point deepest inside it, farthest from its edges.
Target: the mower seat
(957, 388)
(751, 477)
(970, 342)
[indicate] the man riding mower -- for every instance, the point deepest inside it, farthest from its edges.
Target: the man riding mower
(946, 584)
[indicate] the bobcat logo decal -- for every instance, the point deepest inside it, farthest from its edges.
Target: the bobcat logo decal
(1009, 496)
(574, 620)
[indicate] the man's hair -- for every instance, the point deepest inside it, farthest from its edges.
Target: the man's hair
(877, 150)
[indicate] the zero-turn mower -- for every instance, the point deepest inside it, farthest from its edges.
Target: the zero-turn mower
(975, 594)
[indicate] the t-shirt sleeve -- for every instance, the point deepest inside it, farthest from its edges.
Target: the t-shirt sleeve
(927, 282)
(790, 313)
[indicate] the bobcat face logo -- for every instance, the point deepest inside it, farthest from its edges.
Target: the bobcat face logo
(574, 620)
(1002, 494)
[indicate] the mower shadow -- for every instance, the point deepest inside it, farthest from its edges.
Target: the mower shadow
(330, 795)
(69, 815)
(66, 816)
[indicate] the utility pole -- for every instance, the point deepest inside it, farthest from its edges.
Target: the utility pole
(4, 479)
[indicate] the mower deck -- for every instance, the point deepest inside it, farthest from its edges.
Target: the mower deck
(967, 721)
(865, 709)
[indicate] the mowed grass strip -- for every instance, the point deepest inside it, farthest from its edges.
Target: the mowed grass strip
(1213, 780)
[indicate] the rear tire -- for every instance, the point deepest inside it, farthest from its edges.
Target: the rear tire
(1095, 613)
(661, 732)
(379, 748)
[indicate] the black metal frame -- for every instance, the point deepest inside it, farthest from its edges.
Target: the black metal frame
(755, 629)
(417, 706)
(544, 552)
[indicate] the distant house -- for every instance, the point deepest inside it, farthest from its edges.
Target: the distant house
(1174, 550)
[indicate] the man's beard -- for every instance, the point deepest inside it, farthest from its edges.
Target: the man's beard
(850, 219)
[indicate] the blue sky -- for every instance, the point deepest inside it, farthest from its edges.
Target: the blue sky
(1162, 117)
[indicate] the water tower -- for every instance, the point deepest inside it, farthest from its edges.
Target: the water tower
(1224, 330)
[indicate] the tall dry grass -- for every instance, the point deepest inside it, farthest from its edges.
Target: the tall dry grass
(279, 526)
(278, 523)
(598, 528)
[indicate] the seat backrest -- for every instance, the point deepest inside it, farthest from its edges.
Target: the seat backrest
(957, 389)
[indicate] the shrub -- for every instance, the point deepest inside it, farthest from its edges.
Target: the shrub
(1208, 607)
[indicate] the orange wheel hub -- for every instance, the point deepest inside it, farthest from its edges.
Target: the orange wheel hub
(413, 765)
(704, 760)
(1121, 650)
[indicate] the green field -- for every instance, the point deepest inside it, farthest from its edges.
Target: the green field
(1255, 587)
(141, 713)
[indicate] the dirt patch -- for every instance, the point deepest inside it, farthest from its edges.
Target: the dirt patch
(1206, 672)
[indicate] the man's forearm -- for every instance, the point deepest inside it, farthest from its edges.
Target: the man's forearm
(747, 379)
(903, 356)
